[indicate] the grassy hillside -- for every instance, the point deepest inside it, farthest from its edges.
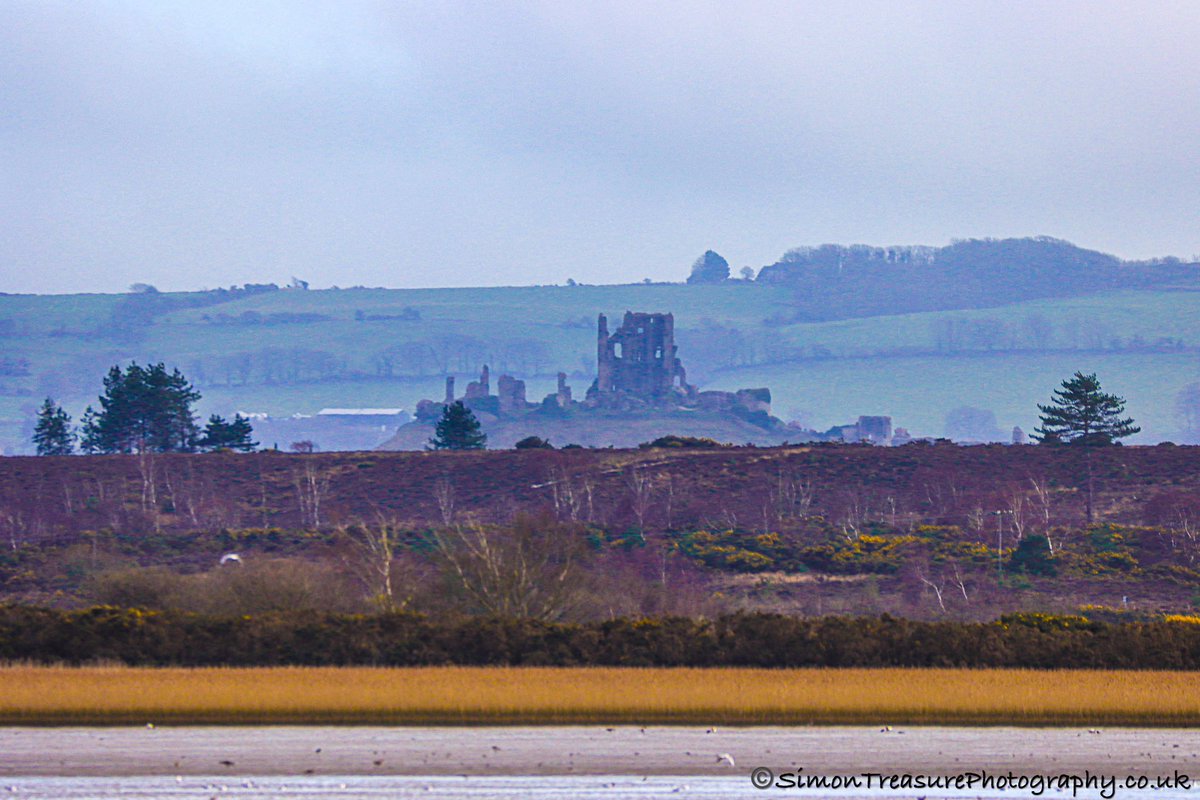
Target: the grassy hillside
(292, 351)
(919, 391)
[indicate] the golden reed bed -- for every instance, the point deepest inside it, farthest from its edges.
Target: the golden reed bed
(463, 695)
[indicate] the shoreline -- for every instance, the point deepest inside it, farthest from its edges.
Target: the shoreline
(532, 751)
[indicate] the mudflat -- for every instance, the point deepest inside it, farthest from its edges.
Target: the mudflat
(567, 750)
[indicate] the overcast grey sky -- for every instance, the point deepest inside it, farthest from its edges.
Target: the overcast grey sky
(197, 144)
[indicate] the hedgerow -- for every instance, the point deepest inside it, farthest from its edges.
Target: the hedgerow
(137, 637)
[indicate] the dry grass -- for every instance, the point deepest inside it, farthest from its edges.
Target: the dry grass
(461, 695)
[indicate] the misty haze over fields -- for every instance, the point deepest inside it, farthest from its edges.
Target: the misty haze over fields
(962, 341)
(586, 155)
(600, 333)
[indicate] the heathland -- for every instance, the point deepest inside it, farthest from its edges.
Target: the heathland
(923, 531)
(994, 333)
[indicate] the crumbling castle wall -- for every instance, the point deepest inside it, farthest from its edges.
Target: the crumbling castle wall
(637, 362)
(637, 370)
(511, 393)
(563, 395)
(877, 430)
(481, 388)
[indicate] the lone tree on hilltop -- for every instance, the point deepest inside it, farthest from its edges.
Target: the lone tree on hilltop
(220, 434)
(142, 410)
(53, 435)
(709, 268)
(458, 429)
(1080, 413)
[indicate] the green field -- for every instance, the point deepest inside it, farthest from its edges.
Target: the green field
(918, 391)
(914, 366)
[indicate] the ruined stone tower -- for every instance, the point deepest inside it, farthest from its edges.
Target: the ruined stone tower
(638, 361)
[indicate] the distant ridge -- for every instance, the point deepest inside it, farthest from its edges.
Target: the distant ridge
(835, 331)
(838, 281)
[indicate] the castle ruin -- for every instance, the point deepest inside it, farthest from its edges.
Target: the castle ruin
(637, 369)
(637, 364)
(640, 389)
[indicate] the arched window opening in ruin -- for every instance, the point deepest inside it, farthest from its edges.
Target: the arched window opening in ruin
(649, 370)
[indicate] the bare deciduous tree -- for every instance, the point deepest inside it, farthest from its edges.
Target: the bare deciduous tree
(641, 494)
(68, 498)
(1041, 503)
(572, 496)
(443, 492)
(527, 570)
(945, 498)
(264, 509)
(1016, 504)
(312, 485)
(937, 589)
(13, 521)
(791, 496)
(855, 513)
(147, 470)
(197, 497)
(958, 580)
(1186, 524)
(975, 519)
(374, 562)
(106, 499)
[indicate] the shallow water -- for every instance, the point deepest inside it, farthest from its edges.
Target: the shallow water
(614, 763)
(440, 787)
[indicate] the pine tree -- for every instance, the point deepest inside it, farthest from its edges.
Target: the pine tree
(143, 409)
(220, 434)
(458, 429)
(1081, 413)
(241, 434)
(89, 431)
(53, 435)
